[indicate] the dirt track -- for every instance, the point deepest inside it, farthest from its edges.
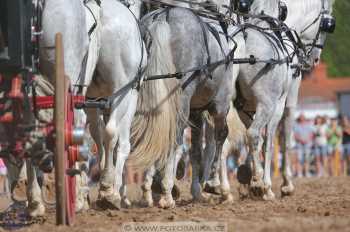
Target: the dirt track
(318, 205)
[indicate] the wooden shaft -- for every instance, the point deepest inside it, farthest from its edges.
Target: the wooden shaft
(60, 133)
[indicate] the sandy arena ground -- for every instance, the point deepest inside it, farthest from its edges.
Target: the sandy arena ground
(318, 205)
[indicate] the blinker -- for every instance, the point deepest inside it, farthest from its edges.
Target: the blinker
(244, 6)
(327, 24)
(283, 11)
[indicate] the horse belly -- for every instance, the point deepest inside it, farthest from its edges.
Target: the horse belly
(202, 97)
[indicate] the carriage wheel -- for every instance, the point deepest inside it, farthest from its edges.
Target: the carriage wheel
(65, 185)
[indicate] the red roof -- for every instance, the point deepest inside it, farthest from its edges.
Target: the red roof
(318, 86)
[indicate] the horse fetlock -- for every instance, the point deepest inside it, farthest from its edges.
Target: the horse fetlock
(126, 203)
(287, 189)
(109, 201)
(243, 191)
(107, 179)
(36, 209)
(226, 198)
(257, 187)
(196, 191)
(166, 201)
(147, 198)
(269, 195)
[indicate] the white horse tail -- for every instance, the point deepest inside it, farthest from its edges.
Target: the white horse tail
(237, 132)
(153, 133)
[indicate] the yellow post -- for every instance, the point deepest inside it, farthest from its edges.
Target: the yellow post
(336, 162)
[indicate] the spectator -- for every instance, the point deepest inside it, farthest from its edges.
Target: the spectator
(320, 146)
(3, 178)
(345, 123)
(304, 133)
(334, 135)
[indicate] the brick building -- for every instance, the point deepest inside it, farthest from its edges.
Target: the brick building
(321, 95)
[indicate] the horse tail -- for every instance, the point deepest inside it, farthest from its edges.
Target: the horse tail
(154, 128)
(237, 132)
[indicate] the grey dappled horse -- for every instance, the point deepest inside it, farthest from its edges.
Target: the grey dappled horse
(182, 36)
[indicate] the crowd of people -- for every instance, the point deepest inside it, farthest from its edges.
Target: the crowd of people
(322, 146)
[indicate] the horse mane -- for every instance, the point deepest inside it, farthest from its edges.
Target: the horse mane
(306, 6)
(269, 7)
(328, 5)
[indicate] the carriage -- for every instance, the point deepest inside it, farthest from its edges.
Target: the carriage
(57, 140)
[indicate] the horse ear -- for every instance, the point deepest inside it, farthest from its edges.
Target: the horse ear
(329, 5)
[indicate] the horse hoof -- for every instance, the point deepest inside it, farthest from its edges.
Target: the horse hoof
(287, 190)
(166, 203)
(244, 174)
(126, 203)
(36, 209)
(243, 191)
(18, 191)
(202, 198)
(227, 199)
(147, 199)
(147, 203)
(109, 202)
(82, 205)
(257, 188)
(269, 195)
(212, 189)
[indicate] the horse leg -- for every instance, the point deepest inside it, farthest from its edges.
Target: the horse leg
(96, 125)
(123, 149)
(210, 169)
(168, 180)
(287, 187)
(196, 119)
(147, 186)
(226, 194)
(123, 192)
(286, 134)
(221, 132)
(35, 204)
(262, 117)
(117, 128)
(82, 189)
(243, 189)
(268, 149)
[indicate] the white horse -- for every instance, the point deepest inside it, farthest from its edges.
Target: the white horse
(304, 17)
(119, 72)
(73, 20)
(112, 42)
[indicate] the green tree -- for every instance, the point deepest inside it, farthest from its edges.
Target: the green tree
(337, 47)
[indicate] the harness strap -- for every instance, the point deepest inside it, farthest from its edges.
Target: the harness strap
(205, 37)
(216, 35)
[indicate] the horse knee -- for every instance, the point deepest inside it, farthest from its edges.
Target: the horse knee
(253, 136)
(222, 134)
